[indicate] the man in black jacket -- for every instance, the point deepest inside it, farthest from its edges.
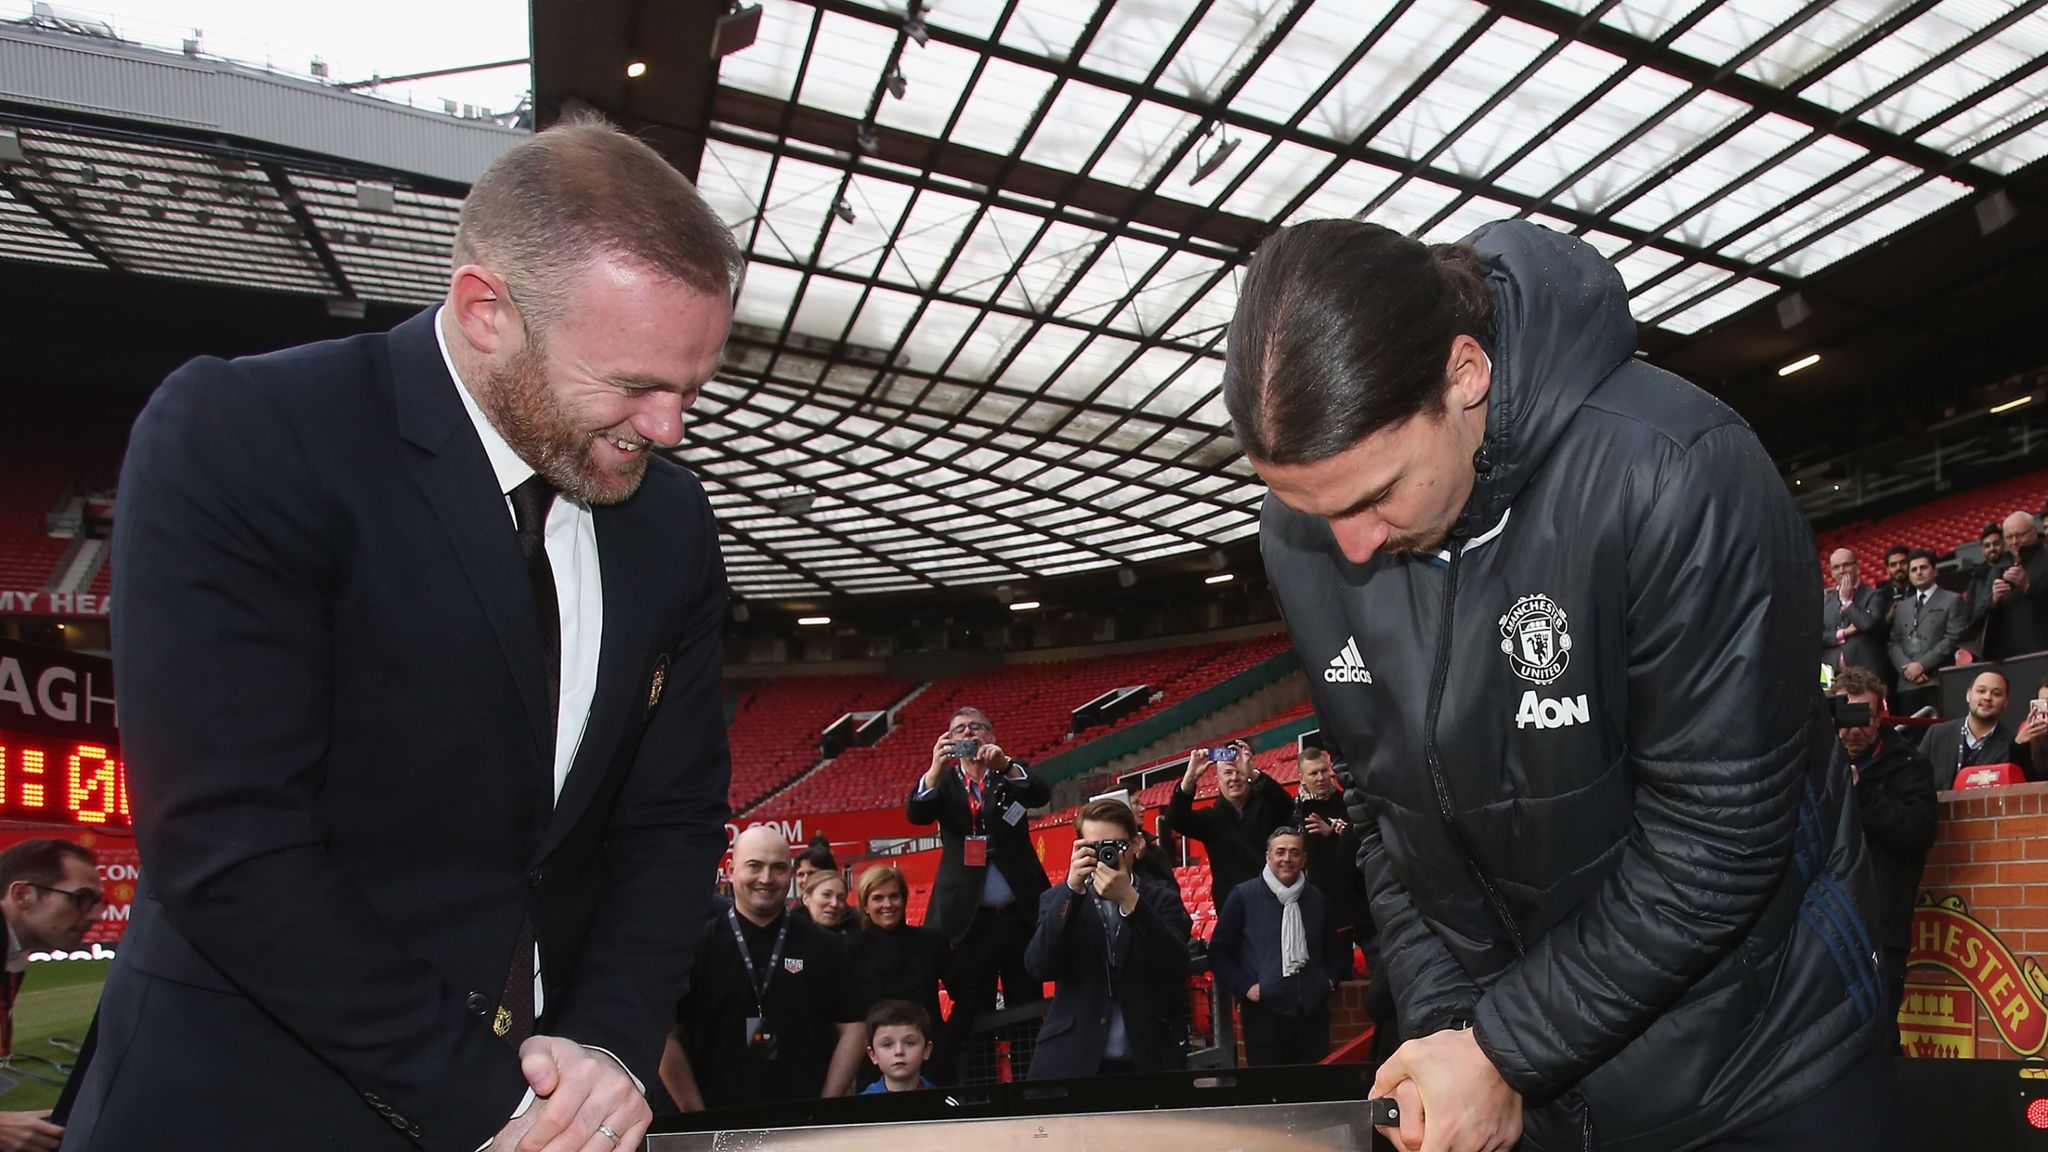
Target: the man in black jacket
(2018, 621)
(1276, 950)
(1978, 595)
(1331, 844)
(1894, 788)
(1116, 947)
(985, 899)
(1610, 866)
(1979, 737)
(1248, 806)
(1852, 618)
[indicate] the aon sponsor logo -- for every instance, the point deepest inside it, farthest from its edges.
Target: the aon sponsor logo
(1550, 712)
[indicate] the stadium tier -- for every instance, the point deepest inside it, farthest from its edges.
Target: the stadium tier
(774, 731)
(1938, 524)
(1032, 708)
(28, 555)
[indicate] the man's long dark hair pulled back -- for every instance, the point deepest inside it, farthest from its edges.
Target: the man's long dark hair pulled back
(1342, 329)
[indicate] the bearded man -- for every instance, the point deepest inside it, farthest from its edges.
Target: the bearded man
(419, 678)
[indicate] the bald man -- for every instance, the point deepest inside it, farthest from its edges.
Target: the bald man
(1852, 623)
(773, 1011)
(2018, 623)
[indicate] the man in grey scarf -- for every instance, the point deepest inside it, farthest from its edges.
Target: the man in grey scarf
(1276, 949)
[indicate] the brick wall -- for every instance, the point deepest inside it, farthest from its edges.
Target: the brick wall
(1993, 853)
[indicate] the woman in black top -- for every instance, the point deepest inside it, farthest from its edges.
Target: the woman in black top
(896, 960)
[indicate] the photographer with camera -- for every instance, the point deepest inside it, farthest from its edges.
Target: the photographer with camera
(1118, 949)
(985, 899)
(774, 1010)
(1233, 829)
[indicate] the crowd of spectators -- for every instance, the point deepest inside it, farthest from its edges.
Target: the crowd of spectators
(802, 989)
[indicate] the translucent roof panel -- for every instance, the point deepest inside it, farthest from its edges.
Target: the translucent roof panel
(990, 347)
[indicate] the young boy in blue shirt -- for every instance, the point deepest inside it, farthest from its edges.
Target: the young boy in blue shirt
(899, 1042)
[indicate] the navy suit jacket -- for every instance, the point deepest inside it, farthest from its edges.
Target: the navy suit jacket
(333, 709)
(1245, 950)
(1147, 977)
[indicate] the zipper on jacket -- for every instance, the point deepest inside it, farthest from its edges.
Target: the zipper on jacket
(1438, 674)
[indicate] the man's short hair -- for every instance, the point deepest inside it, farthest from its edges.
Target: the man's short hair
(1312, 752)
(1926, 554)
(41, 861)
(1998, 672)
(1897, 550)
(818, 854)
(888, 1013)
(1858, 682)
(977, 714)
(582, 189)
(1108, 811)
(1293, 830)
(877, 876)
(1992, 529)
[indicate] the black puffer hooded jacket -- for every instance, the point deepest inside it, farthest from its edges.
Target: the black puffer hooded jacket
(1592, 734)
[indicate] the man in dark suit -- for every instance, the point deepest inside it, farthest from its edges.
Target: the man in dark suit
(1117, 948)
(985, 898)
(419, 674)
(1895, 799)
(2018, 621)
(1978, 738)
(1927, 627)
(1977, 596)
(1852, 618)
(1276, 950)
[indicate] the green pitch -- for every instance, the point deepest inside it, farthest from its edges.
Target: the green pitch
(57, 999)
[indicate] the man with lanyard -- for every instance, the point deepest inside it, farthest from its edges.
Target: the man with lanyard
(985, 899)
(773, 1012)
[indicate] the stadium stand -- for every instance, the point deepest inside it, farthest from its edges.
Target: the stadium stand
(1031, 705)
(28, 555)
(776, 723)
(1938, 524)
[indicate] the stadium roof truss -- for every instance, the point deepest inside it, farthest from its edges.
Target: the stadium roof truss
(994, 246)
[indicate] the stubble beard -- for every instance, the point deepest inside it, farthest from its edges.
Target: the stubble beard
(546, 434)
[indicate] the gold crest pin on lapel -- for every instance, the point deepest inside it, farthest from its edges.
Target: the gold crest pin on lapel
(501, 1024)
(656, 683)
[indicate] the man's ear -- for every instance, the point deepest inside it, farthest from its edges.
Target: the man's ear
(480, 303)
(1469, 374)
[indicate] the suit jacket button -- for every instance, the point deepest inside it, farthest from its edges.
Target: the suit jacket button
(537, 875)
(412, 1130)
(479, 1003)
(372, 1097)
(397, 1121)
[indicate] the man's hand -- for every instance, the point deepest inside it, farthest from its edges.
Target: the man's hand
(1252, 994)
(1198, 761)
(992, 759)
(2031, 730)
(28, 1132)
(1459, 1101)
(1082, 866)
(1114, 885)
(942, 751)
(1315, 825)
(2017, 576)
(1914, 672)
(1999, 588)
(579, 1090)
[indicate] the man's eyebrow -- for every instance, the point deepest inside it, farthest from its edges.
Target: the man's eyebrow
(1370, 499)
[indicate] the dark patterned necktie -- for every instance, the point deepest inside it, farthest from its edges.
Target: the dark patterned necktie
(530, 504)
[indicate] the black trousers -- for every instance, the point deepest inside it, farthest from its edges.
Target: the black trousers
(1860, 1110)
(992, 951)
(1271, 1039)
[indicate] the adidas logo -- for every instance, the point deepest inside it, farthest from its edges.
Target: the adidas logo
(1347, 666)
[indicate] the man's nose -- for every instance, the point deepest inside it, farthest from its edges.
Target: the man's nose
(659, 419)
(1359, 536)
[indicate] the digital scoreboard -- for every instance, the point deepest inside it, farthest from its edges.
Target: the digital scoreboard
(60, 759)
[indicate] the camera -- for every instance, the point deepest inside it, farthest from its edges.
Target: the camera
(1111, 852)
(1222, 755)
(965, 749)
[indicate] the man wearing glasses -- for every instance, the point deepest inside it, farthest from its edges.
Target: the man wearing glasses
(49, 896)
(985, 899)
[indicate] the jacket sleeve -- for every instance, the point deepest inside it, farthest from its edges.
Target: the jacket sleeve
(1952, 624)
(1161, 922)
(1226, 943)
(1030, 791)
(1724, 718)
(1046, 956)
(1432, 990)
(1899, 810)
(1828, 641)
(666, 829)
(1188, 820)
(925, 805)
(1864, 611)
(225, 641)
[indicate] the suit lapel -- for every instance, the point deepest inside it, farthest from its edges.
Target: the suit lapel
(455, 476)
(630, 576)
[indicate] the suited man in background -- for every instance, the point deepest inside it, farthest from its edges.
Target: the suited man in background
(1852, 618)
(419, 664)
(985, 898)
(1927, 628)
(1115, 944)
(1978, 737)
(2018, 620)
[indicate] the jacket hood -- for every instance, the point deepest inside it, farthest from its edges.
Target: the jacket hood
(1560, 325)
